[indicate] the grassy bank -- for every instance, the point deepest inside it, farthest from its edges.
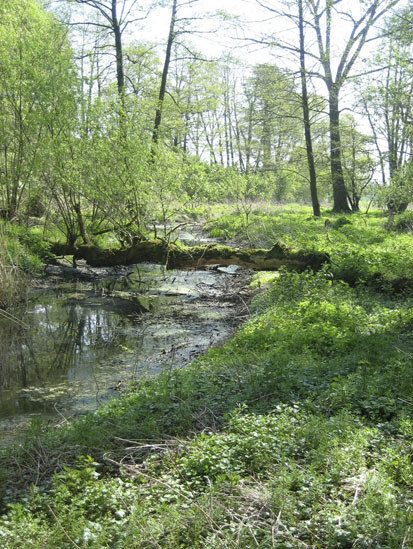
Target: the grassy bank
(365, 249)
(296, 433)
(22, 253)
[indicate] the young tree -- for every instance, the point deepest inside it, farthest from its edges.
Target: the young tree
(306, 115)
(195, 93)
(38, 91)
(268, 123)
(389, 107)
(358, 163)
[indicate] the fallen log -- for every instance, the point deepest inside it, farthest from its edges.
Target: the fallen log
(179, 256)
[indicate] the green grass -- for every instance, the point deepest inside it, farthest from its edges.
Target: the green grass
(364, 249)
(297, 432)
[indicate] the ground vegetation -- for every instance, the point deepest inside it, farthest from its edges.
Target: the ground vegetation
(297, 432)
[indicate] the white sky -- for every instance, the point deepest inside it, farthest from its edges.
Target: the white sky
(253, 22)
(156, 27)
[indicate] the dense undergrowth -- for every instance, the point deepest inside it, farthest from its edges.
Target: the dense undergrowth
(296, 433)
(22, 252)
(366, 249)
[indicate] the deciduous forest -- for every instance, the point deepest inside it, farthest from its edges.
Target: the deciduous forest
(206, 274)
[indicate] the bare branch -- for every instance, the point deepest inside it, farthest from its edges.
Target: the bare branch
(88, 23)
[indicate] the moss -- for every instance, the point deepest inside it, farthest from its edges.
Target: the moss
(61, 249)
(263, 279)
(180, 256)
(278, 250)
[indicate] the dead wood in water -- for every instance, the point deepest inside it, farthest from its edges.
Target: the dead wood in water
(179, 256)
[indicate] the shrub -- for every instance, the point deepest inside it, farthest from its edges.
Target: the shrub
(402, 222)
(12, 279)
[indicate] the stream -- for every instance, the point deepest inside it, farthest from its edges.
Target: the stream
(78, 341)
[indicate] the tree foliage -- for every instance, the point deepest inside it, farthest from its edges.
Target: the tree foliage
(38, 90)
(76, 132)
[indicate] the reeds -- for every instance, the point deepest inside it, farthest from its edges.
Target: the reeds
(12, 279)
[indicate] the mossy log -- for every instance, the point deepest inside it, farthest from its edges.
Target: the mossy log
(179, 256)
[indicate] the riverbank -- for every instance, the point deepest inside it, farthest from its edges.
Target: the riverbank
(297, 432)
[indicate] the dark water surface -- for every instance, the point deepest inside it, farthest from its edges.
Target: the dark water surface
(76, 343)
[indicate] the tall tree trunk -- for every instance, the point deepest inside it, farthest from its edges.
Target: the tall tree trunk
(231, 144)
(337, 175)
(226, 132)
(267, 161)
(248, 144)
(220, 144)
(162, 90)
(306, 117)
(238, 141)
(80, 222)
(120, 75)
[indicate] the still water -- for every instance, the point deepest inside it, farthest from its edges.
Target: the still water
(75, 344)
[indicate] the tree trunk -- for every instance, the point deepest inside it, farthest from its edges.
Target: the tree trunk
(81, 223)
(267, 161)
(120, 75)
(162, 91)
(306, 116)
(337, 176)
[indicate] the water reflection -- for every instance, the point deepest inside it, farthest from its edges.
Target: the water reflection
(63, 342)
(80, 339)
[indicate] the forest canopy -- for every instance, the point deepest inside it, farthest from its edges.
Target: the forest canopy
(109, 133)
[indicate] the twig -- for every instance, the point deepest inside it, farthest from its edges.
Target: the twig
(14, 319)
(275, 528)
(404, 352)
(245, 304)
(405, 401)
(63, 530)
(356, 495)
(406, 537)
(60, 414)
